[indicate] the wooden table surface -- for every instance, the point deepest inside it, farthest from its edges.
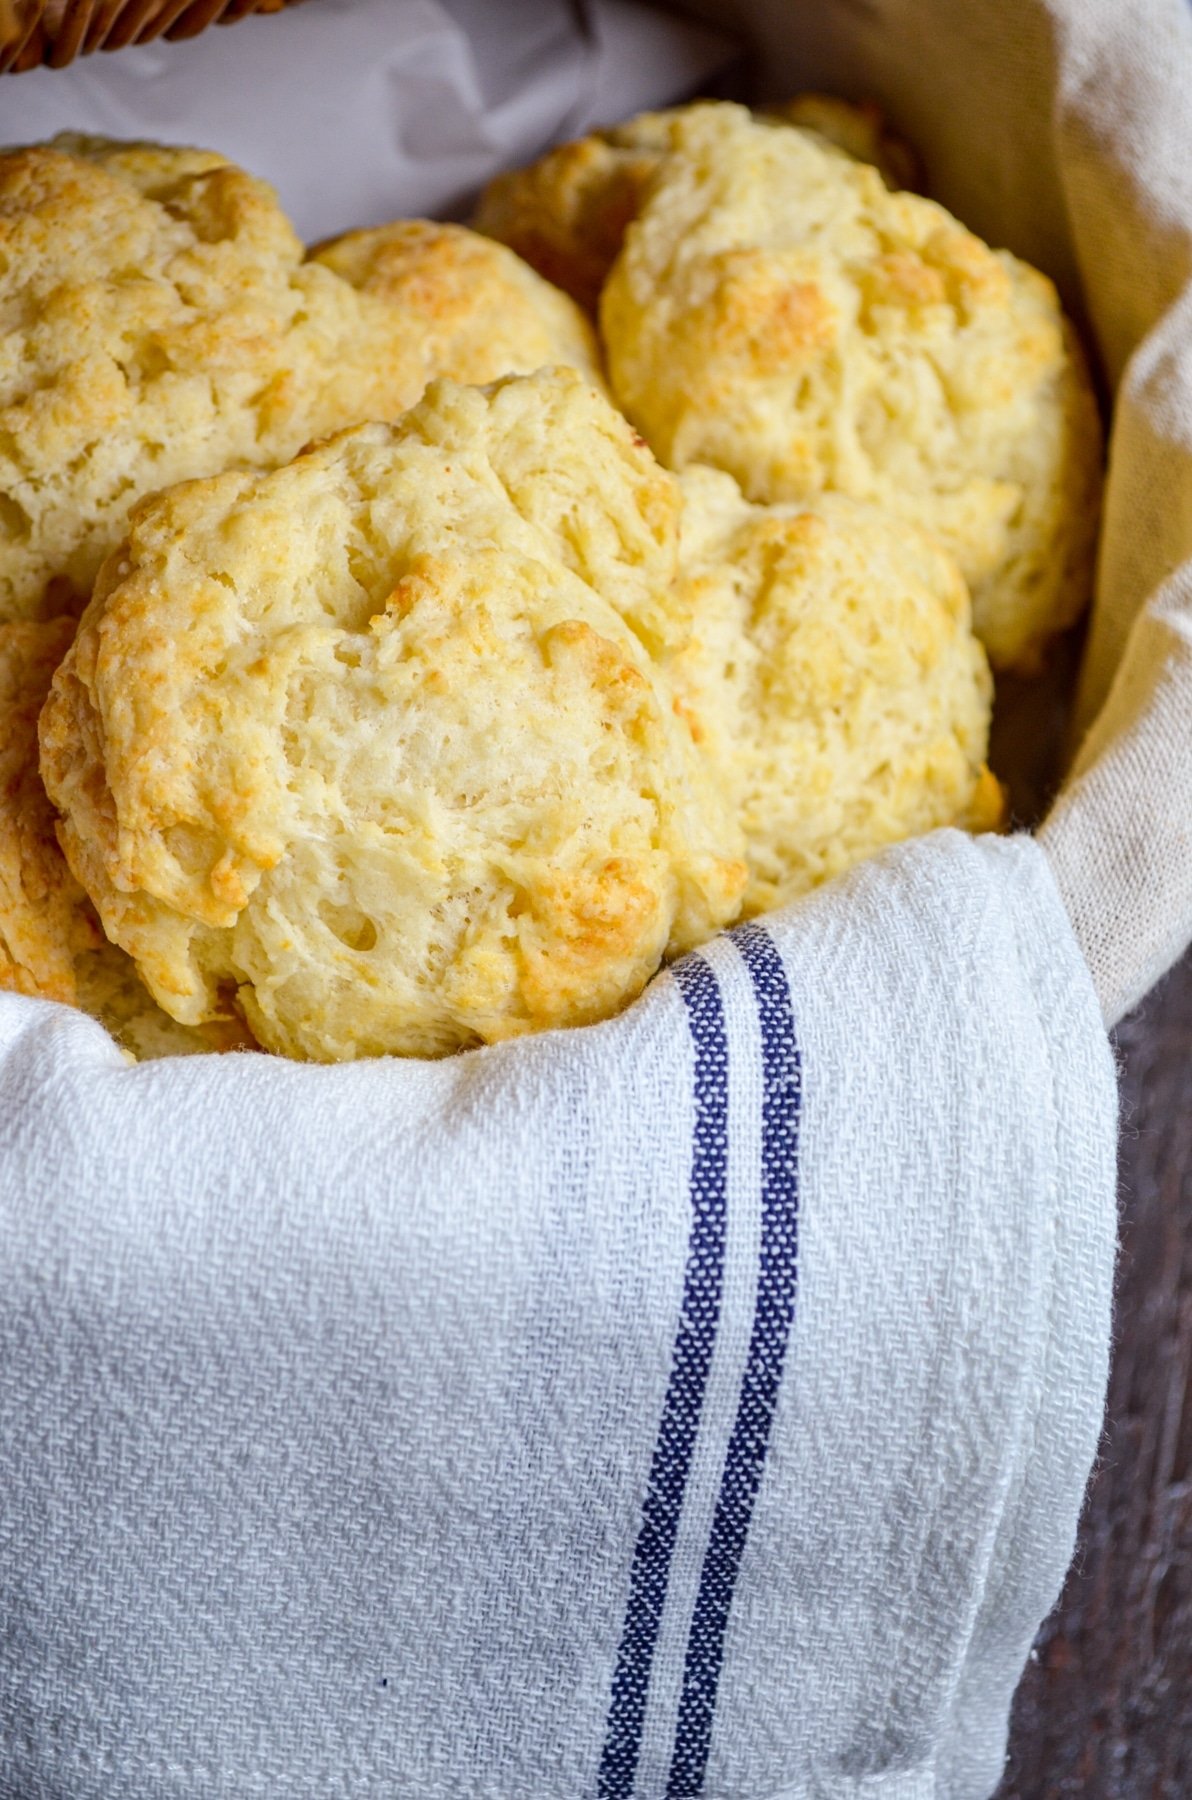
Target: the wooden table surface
(1105, 1709)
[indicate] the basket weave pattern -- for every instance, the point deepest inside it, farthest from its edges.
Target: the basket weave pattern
(56, 31)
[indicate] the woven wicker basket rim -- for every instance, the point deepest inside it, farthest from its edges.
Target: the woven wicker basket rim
(55, 32)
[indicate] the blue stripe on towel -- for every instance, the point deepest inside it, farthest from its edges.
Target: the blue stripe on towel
(772, 1319)
(691, 1359)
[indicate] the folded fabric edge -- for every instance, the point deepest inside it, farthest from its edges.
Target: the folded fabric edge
(1062, 1423)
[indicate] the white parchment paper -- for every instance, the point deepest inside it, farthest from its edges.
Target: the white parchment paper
(359, 111)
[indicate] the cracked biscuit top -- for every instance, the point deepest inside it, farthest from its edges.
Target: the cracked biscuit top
(567, 212)
(51, 947)
(832, 678)
(778, 313)
(482, 312)
(380, 747)
(157, 321)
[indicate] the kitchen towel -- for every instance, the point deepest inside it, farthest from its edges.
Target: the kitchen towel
(694, 1404)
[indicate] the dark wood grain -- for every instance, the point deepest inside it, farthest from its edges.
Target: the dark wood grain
(1105, 1709)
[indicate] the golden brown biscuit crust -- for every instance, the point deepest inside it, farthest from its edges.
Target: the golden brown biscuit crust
(567, 213)
(778, 313)
(158, 321)
(51, 946)
(363, 739)
(832, 679)
(859, 128)
(479, 311)
(46, 920)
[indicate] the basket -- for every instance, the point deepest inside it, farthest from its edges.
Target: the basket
(54, 32)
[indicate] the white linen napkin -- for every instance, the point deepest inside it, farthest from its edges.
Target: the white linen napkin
(698, 1403)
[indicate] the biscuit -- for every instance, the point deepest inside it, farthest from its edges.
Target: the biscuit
(51, 947)
(110, 990)
(778, 313)
(361, 745)
(481, 311)
(159, 322)
(832, 680)
(858, 128)
(45, 919)
(567, 213)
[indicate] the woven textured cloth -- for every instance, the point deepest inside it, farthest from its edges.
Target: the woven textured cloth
(699, 1403)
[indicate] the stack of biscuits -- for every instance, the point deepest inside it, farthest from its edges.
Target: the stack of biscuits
(412, 642)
